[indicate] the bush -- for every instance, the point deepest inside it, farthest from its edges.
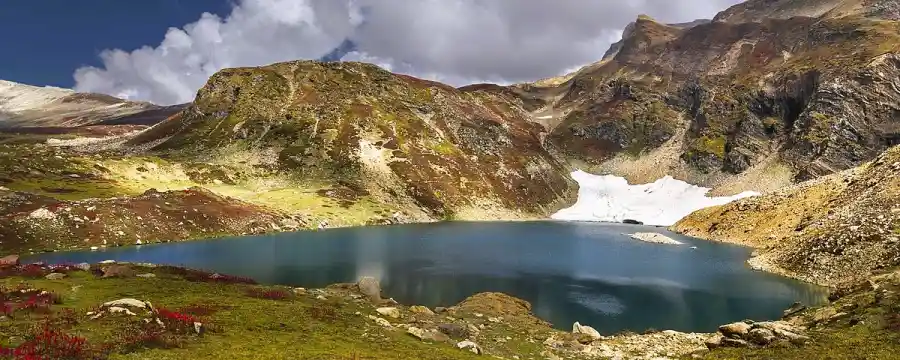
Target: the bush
(177, 322)
(51, 344)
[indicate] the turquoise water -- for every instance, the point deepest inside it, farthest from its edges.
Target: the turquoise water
(587, 272)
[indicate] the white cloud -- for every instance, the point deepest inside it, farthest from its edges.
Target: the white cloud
(455, 41)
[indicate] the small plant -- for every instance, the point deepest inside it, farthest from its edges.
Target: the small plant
(323, 312)
(50, 344)
(270, 294)
(145, 336)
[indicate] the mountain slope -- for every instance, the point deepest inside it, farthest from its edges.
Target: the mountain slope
(837, 229)
(31, 106)
(452, 152)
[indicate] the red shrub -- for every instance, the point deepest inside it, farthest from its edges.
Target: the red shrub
(33, 271)
(199, 309)
(177, 322)
(271, 294)
(50, 344)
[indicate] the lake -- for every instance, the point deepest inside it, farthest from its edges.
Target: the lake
(569, 271)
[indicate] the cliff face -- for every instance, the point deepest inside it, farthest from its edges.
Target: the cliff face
(404, 140)
(763, 83)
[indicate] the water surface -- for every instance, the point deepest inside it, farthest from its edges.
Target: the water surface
(587, 272)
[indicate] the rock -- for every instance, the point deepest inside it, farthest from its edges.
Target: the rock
(473, 330)
(199, 328)
(760, 336)
(655, 238)
(417, 333)
(83, 266)
(454, 331)
(587, 330)
(107, 262)
(714, 341)
(738, 329)
(791, 336)
(470, 346)
(735, 343)
(494, 319)
(421, 310)
(129, 302)
(370, 287)
(389, 312)
(118, 271)
(55, 276)
(795, 308)
(299, 291)
(147, 275)
(380, 321)
(440, 309)
(9, 260)
(321, 297)
(120, 310)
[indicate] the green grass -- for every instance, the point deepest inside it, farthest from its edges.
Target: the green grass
(250, 328)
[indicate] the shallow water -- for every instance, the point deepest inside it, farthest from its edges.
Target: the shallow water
(587, 272)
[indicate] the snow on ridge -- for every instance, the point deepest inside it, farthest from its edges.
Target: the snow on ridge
(663, 202)
(15, 97)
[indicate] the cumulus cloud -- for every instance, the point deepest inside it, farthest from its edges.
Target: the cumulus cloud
(454, 41)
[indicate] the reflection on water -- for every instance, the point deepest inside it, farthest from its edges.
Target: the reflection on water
(570, 272)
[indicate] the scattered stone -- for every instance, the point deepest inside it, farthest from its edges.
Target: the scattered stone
(129, 302)
(380, 321)
(738, 329)
(470, 346)
(494, 319)
(479, 315)
(370, 287)
(454, 331)
(9, 260)
(417, 309)
(55, 276)
(147, 275)
(389, 312)
(83, 266)
(655, 238)
(120, 310)
(299, 291)
(473, 330)
(587, 330)
(321, 297)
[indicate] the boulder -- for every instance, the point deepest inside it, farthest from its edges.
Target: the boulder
(380, 321)
(586, 330)
(440, 309)
(454, 331)
(760, 336)
(118, 271)
(120, 310)
(389, 312)
(129, 302)
(795, 308)
(417, 333)
(421, 310)
(791, 336)
(9, 260)
(737, 329)
(735, 343)
(470, 346)
(83, 267)
(714, 341)
(55, 276)
(370, 287)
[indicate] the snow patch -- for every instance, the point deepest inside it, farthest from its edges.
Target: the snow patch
(662, 202)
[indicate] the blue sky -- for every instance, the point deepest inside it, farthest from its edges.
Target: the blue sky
(44, 41)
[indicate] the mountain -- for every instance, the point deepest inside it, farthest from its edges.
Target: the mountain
(26, 106)
(752, 102)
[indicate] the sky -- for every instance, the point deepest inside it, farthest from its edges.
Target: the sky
(163, 51)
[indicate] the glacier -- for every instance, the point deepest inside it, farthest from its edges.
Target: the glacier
(609, 198)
